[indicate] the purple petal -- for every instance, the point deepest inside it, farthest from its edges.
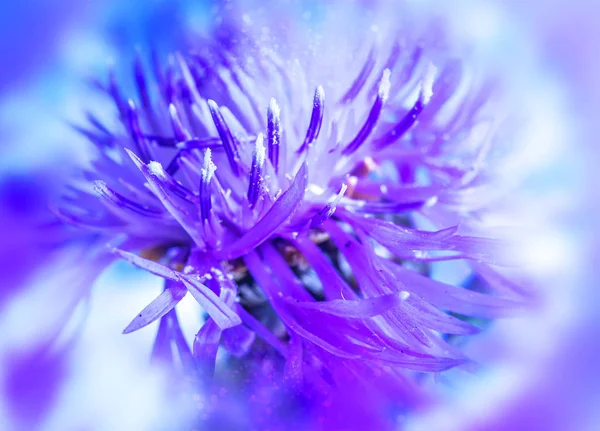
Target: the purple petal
(147, 265)
(135, 131)
(329, 209)
(371, 281)
(261, 331)
(206, 345)
(396, 132)
(161, 351)
(200, 144)
(316, 119)
(171, 184)
(229, 143)
(165, 302)
(354, 309)
(451, 298)
(501, 283)
(121, 203)
(273, 133)
(140, 81)
(361, 79)
(401, 240)
(206, 174)
(238, 340)
(257, 171)
(258, 270)
(223, 316)
(369, 126)
(315, 339)
(431, 364)
(396, 192)
(181, 133)
(115, 93)
(278, 214)
(369, 207)
(334, 286)
(181, 346)
(430, 317)
(159, 189)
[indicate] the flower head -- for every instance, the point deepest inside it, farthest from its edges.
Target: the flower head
(280, 189)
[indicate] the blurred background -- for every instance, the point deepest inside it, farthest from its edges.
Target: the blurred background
(53, 51)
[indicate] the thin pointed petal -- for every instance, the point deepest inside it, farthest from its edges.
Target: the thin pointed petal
(355, 309)
(256, 172)
(369, 126)
(147, 265)
(316, 119)
(229, 143)
(410, 118)
(273, 133)
(223, 316)
(278, 214)
(160, 306)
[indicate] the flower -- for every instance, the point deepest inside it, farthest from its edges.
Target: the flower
(281, 189)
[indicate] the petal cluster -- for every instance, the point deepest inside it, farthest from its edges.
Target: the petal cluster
(287, 211)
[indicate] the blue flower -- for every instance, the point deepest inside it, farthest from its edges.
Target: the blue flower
(279, 181)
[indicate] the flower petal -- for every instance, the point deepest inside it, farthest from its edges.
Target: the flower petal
(206, 345)
(238, 340)
(223, 316)
(357, 309)
(278, 214)
(145, 264)
(451, 298)
(165, 302)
